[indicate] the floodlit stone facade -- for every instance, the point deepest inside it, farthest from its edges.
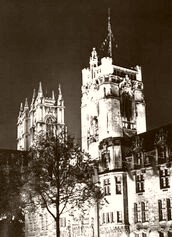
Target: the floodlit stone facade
(113, 107)
(43, 114)
(135, 166)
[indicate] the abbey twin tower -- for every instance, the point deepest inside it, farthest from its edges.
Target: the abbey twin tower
(135, 166)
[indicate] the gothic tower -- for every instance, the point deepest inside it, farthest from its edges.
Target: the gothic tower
(112, 107)
(45, 114)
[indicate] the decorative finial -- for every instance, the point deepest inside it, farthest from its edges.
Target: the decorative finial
(53, 95)
(93, 58)
(60, 91)
(21, 106)
(26, 106)
(40, 91)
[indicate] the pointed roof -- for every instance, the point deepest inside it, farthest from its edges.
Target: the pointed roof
(26, 106)
(108, 42)
(59, 92)
(21, 107)
(40, 91)
(33, 96)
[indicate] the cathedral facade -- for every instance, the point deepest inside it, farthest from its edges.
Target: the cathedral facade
(45, 114)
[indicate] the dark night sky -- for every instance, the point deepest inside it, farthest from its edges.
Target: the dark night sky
(51, 41)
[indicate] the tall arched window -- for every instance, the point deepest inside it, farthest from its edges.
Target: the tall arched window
(127, 105)
(50, 126)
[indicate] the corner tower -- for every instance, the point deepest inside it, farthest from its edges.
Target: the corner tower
(45, 114)
(112, 108)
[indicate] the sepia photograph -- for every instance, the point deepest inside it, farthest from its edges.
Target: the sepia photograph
(85, 118)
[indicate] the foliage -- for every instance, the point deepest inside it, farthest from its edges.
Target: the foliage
(11, 181)
(61, 175)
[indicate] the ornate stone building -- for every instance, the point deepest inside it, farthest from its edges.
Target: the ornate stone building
(113, 107)
(43, 114)
(135, 166)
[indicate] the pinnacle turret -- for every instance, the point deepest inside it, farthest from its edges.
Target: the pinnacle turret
(26, 106)
(40, 91)
(93, 58)
(59, 93)
(53, 95)
(21, 107)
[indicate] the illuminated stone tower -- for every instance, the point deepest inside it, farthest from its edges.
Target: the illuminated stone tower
(112, 108)
(45, 114)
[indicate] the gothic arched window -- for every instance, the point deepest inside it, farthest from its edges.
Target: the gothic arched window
(49, 126)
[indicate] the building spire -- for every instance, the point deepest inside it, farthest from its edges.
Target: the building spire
(107, 43)
(110, 35)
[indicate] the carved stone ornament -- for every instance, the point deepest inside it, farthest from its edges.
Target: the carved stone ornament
(161, 138)
(138, 144)
(126, 85)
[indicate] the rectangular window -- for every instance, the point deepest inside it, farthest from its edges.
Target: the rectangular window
(111, 217)
(164, 178)
(144, 210)
(104, 218)
(107, 218)
(118, 185)
(119, 216)
(169, 208)
(162, 210)
(144, 235)
(105, 159)
(141, 212)
(106, 187)
(135, 213)
(139, 183)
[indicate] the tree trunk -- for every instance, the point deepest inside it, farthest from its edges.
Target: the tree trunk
(57, 221)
